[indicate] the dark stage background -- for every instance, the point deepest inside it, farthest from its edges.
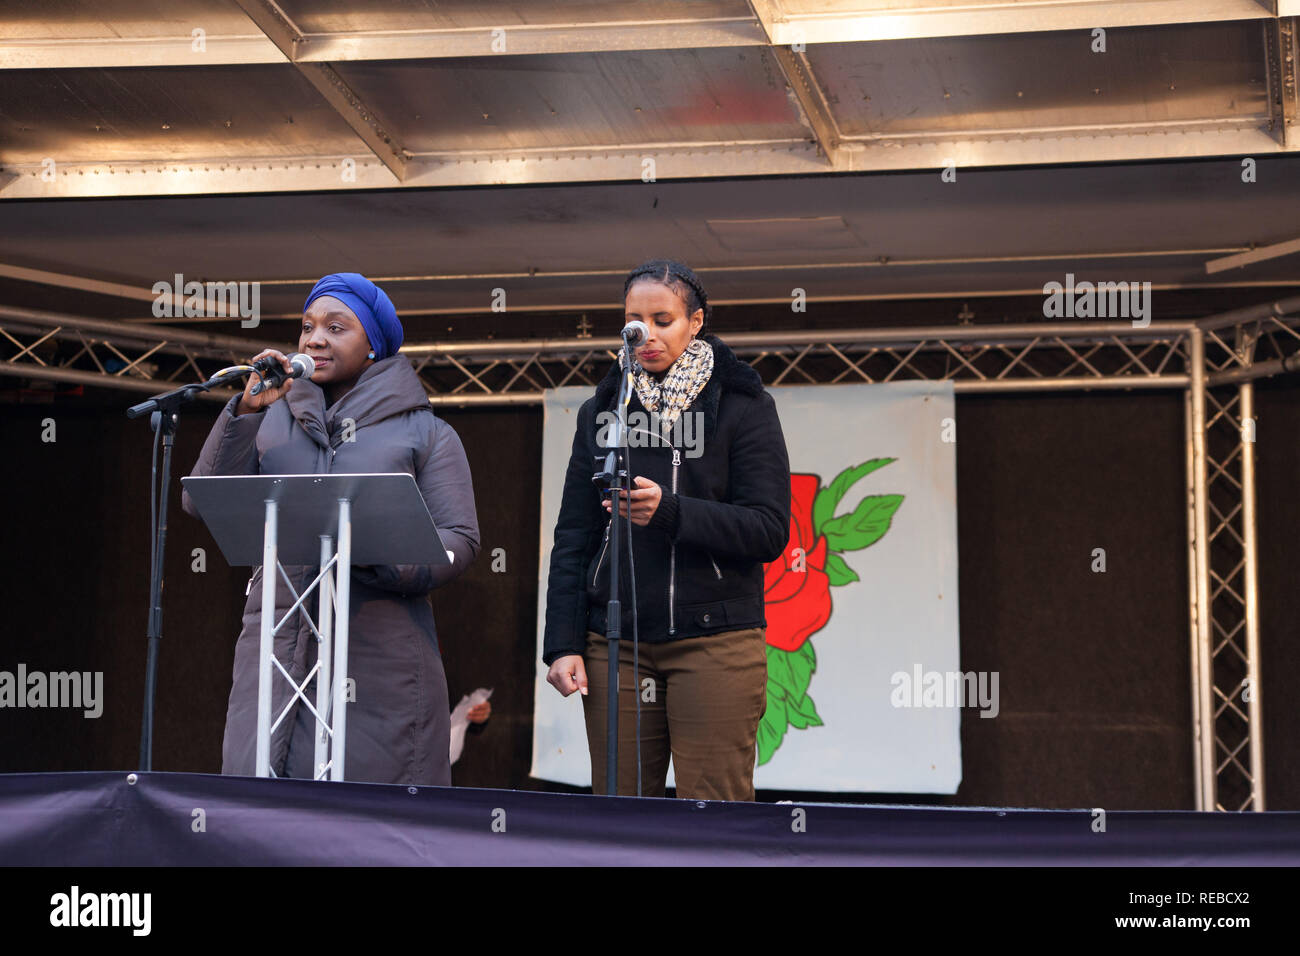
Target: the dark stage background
(1095, 699)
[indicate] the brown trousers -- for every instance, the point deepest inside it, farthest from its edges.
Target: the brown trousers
(701, 701)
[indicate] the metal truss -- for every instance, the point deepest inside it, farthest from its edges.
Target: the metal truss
(50, 346)
(1229, 353)
(975, 358)
(146, 357)
(329, 733)
(1214, 361)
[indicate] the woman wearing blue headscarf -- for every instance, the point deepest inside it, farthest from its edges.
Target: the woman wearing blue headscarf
(362, 411)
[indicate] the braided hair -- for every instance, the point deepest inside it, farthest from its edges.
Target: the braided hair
(677, 277)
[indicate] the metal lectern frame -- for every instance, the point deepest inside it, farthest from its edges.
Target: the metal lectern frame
(332, 655)
(403, 532)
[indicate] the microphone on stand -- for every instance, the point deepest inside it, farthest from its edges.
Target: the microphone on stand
(274, 375)
(272, 372)
(635, 332)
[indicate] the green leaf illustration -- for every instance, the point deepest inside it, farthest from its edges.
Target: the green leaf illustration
(788, 703)
(865, 526)
(839, 572)
(802, 713)
(829, 497)
(809, 656)
(771, 729)
(781, 671)
(802, 664)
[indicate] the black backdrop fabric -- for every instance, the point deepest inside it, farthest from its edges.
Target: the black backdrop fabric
(1094, 668)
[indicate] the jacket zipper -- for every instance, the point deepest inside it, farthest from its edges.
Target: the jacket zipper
(672, 555)
(601, 561)
(716, 569)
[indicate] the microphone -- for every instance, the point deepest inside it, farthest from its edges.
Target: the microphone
(274, 375)
(635, 332)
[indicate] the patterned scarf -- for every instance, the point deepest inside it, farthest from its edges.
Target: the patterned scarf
(685, 380)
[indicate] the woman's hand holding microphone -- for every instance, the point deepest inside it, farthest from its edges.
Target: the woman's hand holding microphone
(250, 403)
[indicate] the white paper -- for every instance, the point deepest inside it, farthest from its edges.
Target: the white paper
(460, 719)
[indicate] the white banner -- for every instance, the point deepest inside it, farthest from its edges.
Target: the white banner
(864, 691)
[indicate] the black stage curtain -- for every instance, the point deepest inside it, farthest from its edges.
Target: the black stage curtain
(1095, 692)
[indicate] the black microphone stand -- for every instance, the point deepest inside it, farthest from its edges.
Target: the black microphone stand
(613, 479)
(164, 417)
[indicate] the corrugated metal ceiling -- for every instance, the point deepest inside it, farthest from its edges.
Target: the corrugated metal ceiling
(321, 94)
(335, 117)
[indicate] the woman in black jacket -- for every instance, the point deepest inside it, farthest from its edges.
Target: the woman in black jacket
(710, 504)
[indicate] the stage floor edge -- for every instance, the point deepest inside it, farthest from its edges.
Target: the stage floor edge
(129, 818)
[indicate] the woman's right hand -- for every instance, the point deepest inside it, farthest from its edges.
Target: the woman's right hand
(568, 674)
(249, 403)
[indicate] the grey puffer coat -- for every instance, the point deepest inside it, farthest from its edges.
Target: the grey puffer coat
(398, 726)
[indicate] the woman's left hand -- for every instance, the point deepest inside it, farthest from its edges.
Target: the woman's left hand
(644, 497)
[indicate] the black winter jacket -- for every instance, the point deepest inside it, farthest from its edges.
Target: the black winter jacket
(725, 511)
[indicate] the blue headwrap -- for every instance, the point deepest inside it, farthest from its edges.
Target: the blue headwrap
(371, 305)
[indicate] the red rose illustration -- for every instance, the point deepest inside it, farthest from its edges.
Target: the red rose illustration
(798, 601)
(797, 589)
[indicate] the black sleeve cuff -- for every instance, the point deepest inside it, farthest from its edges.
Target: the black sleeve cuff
(550, 657)
(666, 517)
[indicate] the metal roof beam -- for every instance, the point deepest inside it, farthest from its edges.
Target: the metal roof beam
(771, 24)
(1245, 136)
(803, 88)
(281, 31)
(859, 22)
(513, 40)
(519, 39)
(109, 52)
(1280, 74)
(80, 283)
(813, 108)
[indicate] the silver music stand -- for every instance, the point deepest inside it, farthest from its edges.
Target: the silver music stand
(299, 518)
